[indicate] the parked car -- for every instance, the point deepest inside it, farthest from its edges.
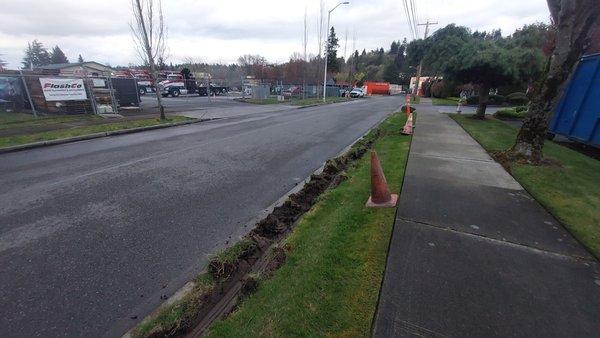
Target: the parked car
(292, 91)
(357, 92)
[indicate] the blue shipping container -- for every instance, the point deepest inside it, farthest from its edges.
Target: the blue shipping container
(577, 115)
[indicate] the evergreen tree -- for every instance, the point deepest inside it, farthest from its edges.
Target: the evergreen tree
(80, 59)
(391, 73)
(57, 56)
(35, 55)
(333, 64)
(394, 48)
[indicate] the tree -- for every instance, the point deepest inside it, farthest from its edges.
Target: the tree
(253, 64)
(391, 73)
(35, 55)
(149, 36)
(332, 45)
(394, 48)
(484, 64)
(57, 56)
(576, 23)
(80, 59)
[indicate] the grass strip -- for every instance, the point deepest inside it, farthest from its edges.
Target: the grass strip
(570, 191)
(21, 120)
(330, 281)
(79, 131)
(449, 101)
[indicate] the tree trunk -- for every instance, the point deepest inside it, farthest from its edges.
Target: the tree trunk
(484, 96)
(161, 108)
(576, 20)
(149, 53)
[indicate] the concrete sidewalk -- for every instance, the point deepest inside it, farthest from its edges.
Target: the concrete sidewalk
(473, 254)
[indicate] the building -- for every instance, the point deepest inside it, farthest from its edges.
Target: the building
(78, 69)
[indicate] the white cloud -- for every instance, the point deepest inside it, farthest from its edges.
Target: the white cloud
(223, 30)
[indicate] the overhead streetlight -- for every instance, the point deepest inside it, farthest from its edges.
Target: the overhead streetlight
(327, 48)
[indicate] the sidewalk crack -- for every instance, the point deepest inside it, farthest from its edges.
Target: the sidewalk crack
(501, 242)
(455, 158)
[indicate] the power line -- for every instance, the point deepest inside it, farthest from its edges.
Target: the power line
(415, 20)
(409, 18)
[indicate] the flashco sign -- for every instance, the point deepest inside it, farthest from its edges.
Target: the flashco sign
(63, 89)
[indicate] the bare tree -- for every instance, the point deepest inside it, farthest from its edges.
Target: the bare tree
(149, 35)
(576, 22)
(320, 25)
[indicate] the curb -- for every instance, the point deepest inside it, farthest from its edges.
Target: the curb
(40, 144)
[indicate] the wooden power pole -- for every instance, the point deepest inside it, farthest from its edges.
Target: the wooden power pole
(419, 69)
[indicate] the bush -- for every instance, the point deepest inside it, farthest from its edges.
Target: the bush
(510, 113)
(437, 89)
(494, 100)
(518, 98)
(521, 109)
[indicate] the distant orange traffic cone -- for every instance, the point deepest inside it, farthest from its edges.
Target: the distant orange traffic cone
(380, 194)
(408, 126)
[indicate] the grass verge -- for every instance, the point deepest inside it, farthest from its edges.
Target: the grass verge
(570, 192)
(330, 281)
(511, 113)
(21, 120)
(449, 101)
(79, 131)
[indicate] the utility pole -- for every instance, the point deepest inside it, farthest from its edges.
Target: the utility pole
(305, 60)
(419, 69)
(327, 48)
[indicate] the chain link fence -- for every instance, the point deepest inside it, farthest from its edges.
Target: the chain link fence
(73, 94)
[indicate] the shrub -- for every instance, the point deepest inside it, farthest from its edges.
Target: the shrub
(521, 109)
(510, 113)
(517, 98)
(437, 89)
(494, 100)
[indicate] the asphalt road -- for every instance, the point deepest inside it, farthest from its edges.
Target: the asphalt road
(93, 233)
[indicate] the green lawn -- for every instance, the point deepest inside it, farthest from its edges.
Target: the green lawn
(78, 131)
(449, 101)
(570, 192)
(21, 120)
(330, 282)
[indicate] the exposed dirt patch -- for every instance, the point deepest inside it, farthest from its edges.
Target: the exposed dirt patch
(506, 158)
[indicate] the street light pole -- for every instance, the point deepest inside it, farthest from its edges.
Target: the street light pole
(327, 48)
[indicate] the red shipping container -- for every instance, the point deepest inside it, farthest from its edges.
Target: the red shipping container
(378, 88)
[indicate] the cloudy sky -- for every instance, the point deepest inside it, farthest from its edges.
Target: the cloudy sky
(221, 31)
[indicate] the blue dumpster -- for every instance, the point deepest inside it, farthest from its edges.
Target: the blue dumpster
(577, 115)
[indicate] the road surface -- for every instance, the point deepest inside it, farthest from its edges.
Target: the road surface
(93, 233)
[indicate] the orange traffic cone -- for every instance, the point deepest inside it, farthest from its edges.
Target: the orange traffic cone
(408, 126)
(380, 194)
